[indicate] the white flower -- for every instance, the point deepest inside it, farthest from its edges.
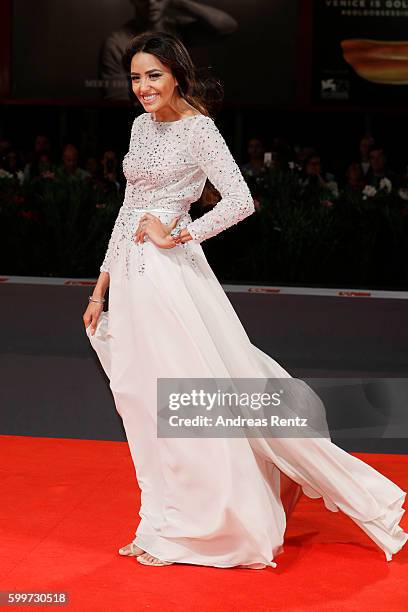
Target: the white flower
(334, 188)
(291, 165)
(386, 184)
(5, 174)
(369, 191)
(403, 193)
(20, 177)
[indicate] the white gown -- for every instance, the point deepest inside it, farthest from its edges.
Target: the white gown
(219, 502)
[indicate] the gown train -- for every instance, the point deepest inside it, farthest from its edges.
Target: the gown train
(219, 502)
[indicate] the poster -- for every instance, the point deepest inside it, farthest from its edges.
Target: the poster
(360, 52)
(72, 50)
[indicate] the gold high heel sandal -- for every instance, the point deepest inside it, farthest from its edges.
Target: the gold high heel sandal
(157, 562)
(131, 550)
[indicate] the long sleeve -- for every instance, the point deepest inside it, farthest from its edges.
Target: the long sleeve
(118, 228)
(112, 247)
(208, 147)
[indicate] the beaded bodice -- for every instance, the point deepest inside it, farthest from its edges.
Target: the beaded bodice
(166, 168)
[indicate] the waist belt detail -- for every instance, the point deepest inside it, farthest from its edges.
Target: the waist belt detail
(152, 210)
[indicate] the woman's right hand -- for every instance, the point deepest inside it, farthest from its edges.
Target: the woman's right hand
(91, 316)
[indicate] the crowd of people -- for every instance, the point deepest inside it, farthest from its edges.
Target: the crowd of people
(42, 163)
(366, 172)
(302, 198)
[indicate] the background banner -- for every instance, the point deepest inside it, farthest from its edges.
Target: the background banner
(360, 51)
(75, 51)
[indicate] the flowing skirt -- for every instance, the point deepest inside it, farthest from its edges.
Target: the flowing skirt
(219, 502)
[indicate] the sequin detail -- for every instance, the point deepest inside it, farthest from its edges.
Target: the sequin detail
(166, 168)
(123, 237)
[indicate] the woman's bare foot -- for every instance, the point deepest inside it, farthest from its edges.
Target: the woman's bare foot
(131, 550)
(148, 559)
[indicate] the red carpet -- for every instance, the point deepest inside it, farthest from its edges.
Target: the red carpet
(67, 505)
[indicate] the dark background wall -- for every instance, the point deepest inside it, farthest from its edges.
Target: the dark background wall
(270, 67)
(52, 383)
(56, 45)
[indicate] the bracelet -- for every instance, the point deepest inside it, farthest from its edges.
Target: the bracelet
(101, 301)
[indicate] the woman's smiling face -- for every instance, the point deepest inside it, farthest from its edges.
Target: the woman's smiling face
(153, 83)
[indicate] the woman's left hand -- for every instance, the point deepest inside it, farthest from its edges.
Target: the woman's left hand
(158, 232)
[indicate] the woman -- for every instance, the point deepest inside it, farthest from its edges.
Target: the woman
(221, 502)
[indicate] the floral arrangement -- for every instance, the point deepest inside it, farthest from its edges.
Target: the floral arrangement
(313, 231)
(303, 232)
(54, 226)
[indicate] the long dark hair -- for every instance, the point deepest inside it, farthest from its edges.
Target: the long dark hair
(201, 89)
(196, 85)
